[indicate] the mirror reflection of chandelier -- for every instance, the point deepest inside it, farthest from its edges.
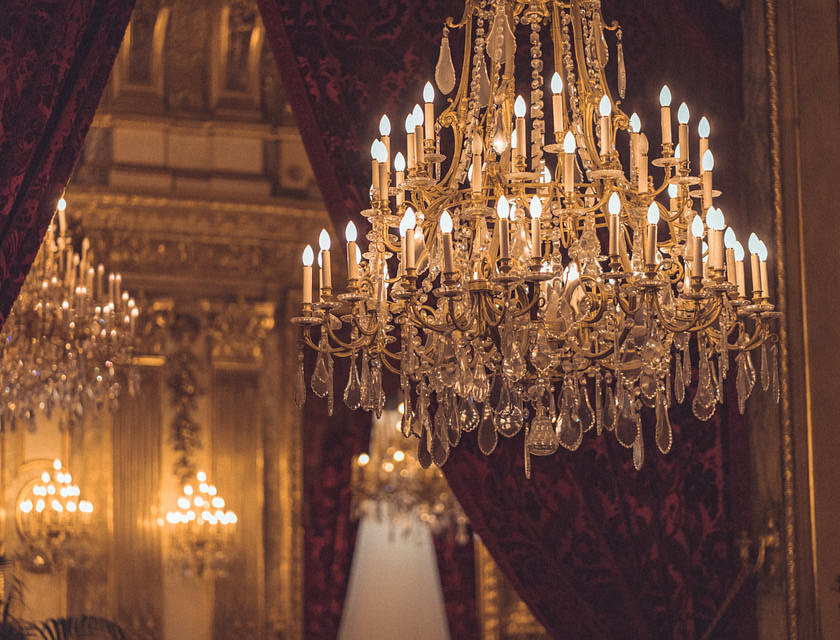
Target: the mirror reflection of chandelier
(389, 484)
(558, 282)
(69, 328)
(53, 520)
(201, 529)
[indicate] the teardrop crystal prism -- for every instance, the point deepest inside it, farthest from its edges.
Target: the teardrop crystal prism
(503, 415)
(445, 70)
(440, 441)
(483, 83)
(610, 413)
(775, 391)
(513, 366)
(664, 435)
(703, 404)
(585, 414)
(488, 437)
(622, 73)
(679, 381)
(468, 417)
(320, 377)
(423, 455)
(541, 439)
(599, 406)
(353, 388)
(300, 384)
(765, 368)
(638, 450)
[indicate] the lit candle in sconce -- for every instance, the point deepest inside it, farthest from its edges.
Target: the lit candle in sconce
(429, 107)
(503, 210)
(324, 243)
(650, 244)
(703, 131)
(614, 208)
(417, 114)
(557, 104)
(708, 163)
(62, 216)
(635, 130)
(519, 111)
(409, 220)
(374, 165)
(665, 112)
(643, 163)
(446, 236)
(384, 177)
(385, 134)
(754, 244)
(536, 213)
(604, 109)
(683, 117)
(569, 172)
(673, 202)
(740, 279)
(410, 146)
(697, 247)
(399, 167)
(352, 266)
(729, 241)
(716, 224)
(308, 259)
(677, 152)
(762, 255)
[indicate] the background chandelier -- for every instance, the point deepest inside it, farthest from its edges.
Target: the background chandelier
(53, 521)
(389, 483)
(201, 529)
(540, 281)
(70, 326)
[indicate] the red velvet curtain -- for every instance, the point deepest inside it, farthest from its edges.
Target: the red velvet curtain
(596, 549)
(456, 566)
(55, 57)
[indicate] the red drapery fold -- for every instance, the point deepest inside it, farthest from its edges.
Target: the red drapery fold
(596, 549)
(55, 57)
(456, 565)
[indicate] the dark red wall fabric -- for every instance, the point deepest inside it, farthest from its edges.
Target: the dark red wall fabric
(456, 565)
(55, 57)
(596, 549)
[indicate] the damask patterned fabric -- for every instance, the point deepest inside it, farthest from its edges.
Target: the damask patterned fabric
(456, 565)
(596, 549)
(55, 57)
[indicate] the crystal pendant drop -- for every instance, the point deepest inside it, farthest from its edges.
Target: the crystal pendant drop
(679, 382)
(622, 73)
(703, 404)
(445, 70)
(765, 368)
(664, 434)
(423, 455)
(408, 417)
(585, 414)
(496, 38)
(599, 406)
(366, 403)
(610, 409)
(541, 439)
(638, 449)
(568, 427)
(488, 437)
(513, 366)
(481, 383)
(440, 440)
(503, 416)
(321, 377)
(300, 383)
(468, 417)
(775, 391)
(483, 83)
(453, 426)
(353, 389)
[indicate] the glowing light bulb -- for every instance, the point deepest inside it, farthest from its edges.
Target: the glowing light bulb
(363, 459)
(762, 251)
(677, 151)
(201, 476)
(729, 239)
(708, 162)
(324, 240)
(556, 83)
(697, 227)
(417, 115)
(739, 250)
(635, 123)
(653, 213)
(614, 204)
(703, 127)
(374, 152)
(753, 243)
(569, 144)
(183, 503)
(428, 92)
(714, 219)
(399, 455)
(399, 162)
(672, 191)
(410, 218)
(605, 106)
(503, 208)
(62, 204)
(409, 123)
(519, 107)
(546, 175)
(536, 207)
(56, 464)
(683, 114)
(384, 126)
(350, 233)
(445, 222)
(665, 96)
(571, 273)
(188, 490)
(45, 477)
(403, 228)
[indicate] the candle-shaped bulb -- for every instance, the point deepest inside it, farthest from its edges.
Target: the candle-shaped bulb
(374, 149)
(672, 191)
(677, 151)
(62, 204)
(399, 162)
(536, 207)
(545, 178)
(403, 225)
(503, 208)
(762, 251)
(324, 240)
(683, 114)
(569, 143)
(410, 218)
(614, 204)
(417, 114)
(556, 83)
(653, 213)
(665, 96)
(708, 160)
(714, 219)
(519, 107)
(381, 151)
(570, 274)
(384, 126)
(320, 260)
(605, 106)
(739, 250)
(729, 240)
(308, 256)
(470, 172)
(697, 227)
(428, 92)
(753, 243)
(350, 232)
(445, 222)
(703, 128)
(409, 123)
(635, 123)
(358, 254)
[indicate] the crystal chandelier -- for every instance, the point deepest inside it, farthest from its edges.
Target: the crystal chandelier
(53, 521)
(68, 329)
(389, 483)
(201, 529)
(540, 281)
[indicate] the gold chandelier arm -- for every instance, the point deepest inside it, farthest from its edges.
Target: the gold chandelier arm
(340, 352)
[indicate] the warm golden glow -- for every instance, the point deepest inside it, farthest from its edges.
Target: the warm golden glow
(665, 96)
(683, 114)
(653, 213)
(350, 232)
(445, 222)
(384, 126)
